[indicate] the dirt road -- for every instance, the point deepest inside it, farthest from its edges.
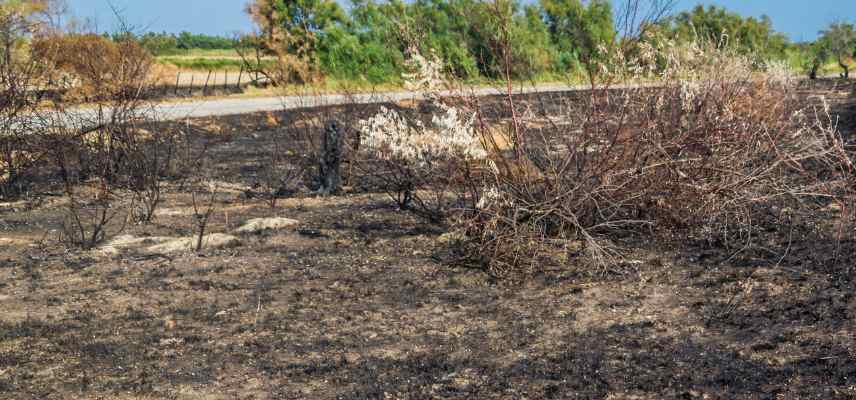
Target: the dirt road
(221, 107)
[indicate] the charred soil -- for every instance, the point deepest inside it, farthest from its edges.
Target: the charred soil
(356, 301)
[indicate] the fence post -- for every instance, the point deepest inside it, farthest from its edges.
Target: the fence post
(240, 74)
(205, 88)
(192, 77)
(177, 79)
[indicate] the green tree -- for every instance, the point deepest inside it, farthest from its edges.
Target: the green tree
(187, 41)
(817, 54)
(368, 46)
(507, 39)
(443, 27)
(533, 46)
(752, 36)
(293, 30)
(581, 31)
(19, 19)
(840, 39)
(159, 43)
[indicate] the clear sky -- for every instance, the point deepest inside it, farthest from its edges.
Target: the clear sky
(800, 19)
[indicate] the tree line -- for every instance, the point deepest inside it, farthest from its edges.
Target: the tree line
(163, 43)
(371, 39)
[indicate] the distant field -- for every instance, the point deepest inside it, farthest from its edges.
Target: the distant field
(832, 68)
(205, 60)
(202, 53)
(205, 64)
(198, 78)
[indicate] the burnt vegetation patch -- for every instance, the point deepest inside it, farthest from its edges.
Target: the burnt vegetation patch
(690, 239)
(376, 308)
(379, 304)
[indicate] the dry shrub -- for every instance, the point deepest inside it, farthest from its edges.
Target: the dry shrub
(91, 213)
(110, 161)
(110, 165)
(113, 174)
(285, 157)
(716, 151)
(94, 68)
(421, 164)
(153, 157)
(424, 164)
(296, 61)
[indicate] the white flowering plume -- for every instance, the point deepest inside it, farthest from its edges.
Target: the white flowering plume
(423, 73)
(451, 136)
(779, 72)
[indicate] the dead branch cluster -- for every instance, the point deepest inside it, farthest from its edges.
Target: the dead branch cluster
(716, 160)
(73, 112)
(716, 153)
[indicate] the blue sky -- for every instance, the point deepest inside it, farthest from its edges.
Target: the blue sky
(800, 19)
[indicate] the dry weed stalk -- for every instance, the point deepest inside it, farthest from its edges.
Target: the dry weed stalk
(204, 200)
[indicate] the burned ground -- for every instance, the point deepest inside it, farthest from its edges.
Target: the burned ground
(358, 302)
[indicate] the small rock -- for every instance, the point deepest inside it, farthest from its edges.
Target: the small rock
(258, 225)
(833, 207)
(209, 242)
(171, 342)
(170, 324)
(166, 245)
(351, 357)
(450, 237)
(129, 242)
(313, 233)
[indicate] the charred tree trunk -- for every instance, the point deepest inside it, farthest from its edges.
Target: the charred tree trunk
(846, 74)
(330, 160)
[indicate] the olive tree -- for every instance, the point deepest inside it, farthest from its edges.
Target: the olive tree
(840, 39)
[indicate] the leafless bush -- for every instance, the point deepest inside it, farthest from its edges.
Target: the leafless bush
(90, 214)
(80, 153)
(154, 157)
(85, 146)
(713, 152)
(107, 161)
(281, 169)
